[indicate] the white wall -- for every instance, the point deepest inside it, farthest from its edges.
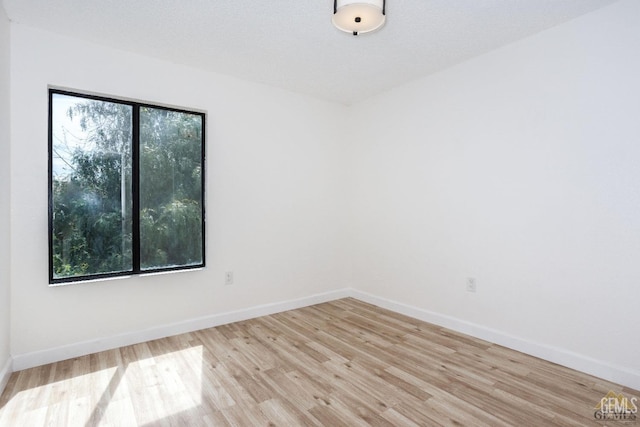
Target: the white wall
(520, 168)
(5, 262)
(273, 198)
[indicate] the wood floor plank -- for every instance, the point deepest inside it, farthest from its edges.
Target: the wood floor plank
(342, 363)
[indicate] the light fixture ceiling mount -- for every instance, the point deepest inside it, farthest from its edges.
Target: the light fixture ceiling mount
(359, 16)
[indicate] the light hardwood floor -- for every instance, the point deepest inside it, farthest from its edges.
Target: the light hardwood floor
(339, 363)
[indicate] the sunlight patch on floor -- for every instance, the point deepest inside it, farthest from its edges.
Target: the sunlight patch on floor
(175, 379)
(119, 395)
(71, 399)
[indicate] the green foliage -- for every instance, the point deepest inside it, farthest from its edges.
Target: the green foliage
(92, 204)
(170, 188)
(171, 236)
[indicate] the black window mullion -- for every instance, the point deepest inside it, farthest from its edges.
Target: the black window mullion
(135, 184)
(203, 178)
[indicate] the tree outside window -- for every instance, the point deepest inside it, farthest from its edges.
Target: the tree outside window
(126, 192)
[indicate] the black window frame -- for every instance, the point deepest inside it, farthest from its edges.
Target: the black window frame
(135, 188)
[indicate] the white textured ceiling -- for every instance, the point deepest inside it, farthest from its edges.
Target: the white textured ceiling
(292, 43)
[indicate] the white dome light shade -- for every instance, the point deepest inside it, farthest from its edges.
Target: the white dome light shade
(359, 16)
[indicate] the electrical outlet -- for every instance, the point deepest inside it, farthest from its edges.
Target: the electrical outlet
(471, 284)
(228, 278)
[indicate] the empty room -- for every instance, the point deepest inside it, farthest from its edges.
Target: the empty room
(319, 213)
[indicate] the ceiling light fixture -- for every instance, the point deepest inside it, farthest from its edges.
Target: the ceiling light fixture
(358, 16)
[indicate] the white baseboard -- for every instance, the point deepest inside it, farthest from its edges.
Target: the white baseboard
(621, 375)
(598, 368)
(5, 373)
(43, 357)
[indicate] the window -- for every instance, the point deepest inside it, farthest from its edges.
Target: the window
(126, 188)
